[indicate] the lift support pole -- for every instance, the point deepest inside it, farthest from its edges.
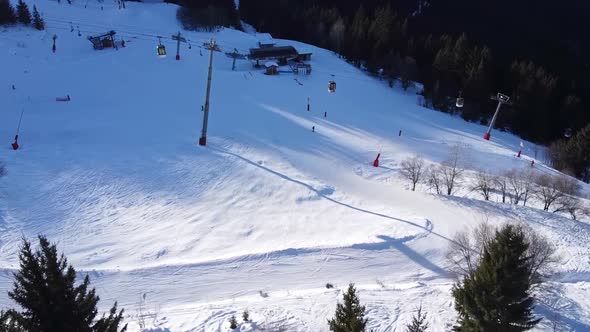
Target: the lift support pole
(179, 38)
(203, 140)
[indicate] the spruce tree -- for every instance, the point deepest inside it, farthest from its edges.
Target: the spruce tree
(7, 14)
(38, 22)
(22, 12)
(8, 324)
(45, 289)
(418, 323)
(350, 315)
(496, 295)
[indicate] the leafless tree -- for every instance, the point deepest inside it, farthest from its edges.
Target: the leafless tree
(452, 169)
(542, 254)
(413, 169)
(501, 184)
(568, 185)
(467, 248)
(527, 175)
(434, 178)
(2, 170)
(551, 189)
(484, 183)
(517, 186)
(570, 204)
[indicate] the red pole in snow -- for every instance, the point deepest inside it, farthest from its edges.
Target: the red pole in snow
(15, 144)
(376, 162)
(519, 152)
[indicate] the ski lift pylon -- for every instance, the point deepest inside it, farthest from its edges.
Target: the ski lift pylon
(161, 48)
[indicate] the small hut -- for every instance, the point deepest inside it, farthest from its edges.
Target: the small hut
(272, 68)
(103, 41)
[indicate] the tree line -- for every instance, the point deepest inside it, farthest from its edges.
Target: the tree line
(207, 15)
(555, 193)
(9, 15)
(472, 49)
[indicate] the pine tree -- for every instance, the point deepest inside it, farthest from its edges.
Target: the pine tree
(8, 324)
(7, 13)
(233, 323)
(418, 323)
(38, 22)
(350, 315)
(45, 289)
(23, 13)
(358, 35)
(496, 295)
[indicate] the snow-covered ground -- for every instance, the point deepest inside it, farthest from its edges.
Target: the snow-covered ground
(269, 212)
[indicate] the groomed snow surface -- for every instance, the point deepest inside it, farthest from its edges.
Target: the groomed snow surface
(266, 214)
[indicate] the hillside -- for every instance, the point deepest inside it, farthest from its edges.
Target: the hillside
(265, 215)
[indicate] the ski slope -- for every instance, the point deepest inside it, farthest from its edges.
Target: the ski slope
(265, 215)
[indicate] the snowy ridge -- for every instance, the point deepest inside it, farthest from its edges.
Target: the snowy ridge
(269, 212)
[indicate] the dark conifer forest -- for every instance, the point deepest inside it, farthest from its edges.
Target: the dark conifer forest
(537, 52)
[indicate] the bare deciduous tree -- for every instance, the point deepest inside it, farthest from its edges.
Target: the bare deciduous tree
(452, 169)
(517, 186)
(527, 177)
(568, 185)
(542, 254)
(434, 179)
(413, 169)
(551, 189)
(570, 204)
(467, 248)
(484, 183)
(502, 185)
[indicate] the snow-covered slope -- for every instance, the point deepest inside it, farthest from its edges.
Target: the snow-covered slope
(267, 213)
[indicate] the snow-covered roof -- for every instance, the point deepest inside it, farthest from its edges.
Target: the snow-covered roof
(269, 64)
(264, 37)
(304, 50)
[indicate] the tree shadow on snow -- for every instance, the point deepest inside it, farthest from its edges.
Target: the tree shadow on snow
(387, 243)
(400, 245)
(561, 313)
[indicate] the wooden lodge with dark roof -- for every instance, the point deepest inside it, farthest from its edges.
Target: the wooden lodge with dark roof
(281, 54)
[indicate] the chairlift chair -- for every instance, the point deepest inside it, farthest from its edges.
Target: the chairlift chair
(460, 102)
(332, 87)
(161, 49)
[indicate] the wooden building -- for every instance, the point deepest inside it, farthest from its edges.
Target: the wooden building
(280, 54)
(103, 41)
(272, 68)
